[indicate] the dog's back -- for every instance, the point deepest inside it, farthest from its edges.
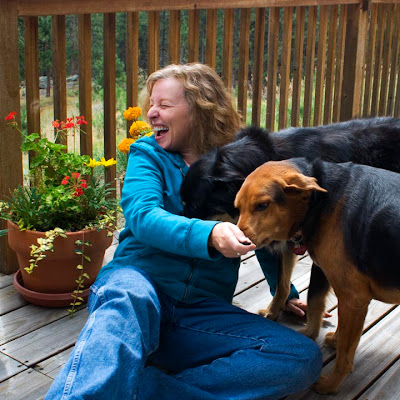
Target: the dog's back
(369, 141)
(370, 215)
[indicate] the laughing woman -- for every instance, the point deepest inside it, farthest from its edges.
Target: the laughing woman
(161, 323)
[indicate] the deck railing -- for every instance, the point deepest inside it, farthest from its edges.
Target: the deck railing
(313, 62)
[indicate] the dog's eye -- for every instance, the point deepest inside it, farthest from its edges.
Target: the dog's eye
(262, 206)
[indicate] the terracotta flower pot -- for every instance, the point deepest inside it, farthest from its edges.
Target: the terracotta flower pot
(57, 272)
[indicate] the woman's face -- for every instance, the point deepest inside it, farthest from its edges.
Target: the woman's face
(169, 115)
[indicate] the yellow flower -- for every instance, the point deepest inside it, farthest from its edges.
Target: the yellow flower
(107, 163)
(139, 128)
(93, 163)
(124, 145)
(132, 113)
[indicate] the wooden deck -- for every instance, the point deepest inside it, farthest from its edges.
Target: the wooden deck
(35, 342)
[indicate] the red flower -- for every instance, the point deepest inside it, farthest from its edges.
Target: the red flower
(83, 183)
(75, 175)
(68, 125)
(56, 123)
(65, 180)
(78, 192)
(81, 120)
(11, 116)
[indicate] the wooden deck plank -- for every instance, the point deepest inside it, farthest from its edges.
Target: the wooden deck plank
(9, 367)
(250, 273)
(387, 387)
(52, 366)
(27, 319)
(377, 350)
(28, 385)
(46, 341)
(10, 300)
(6, 280)
(259, 296)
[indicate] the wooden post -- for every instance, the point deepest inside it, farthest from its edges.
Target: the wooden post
(194, 28)
(59, 70)
(354, 60)
(110, 127)
(132, 64)
(228, 48)
(258, 66)
(243, 62)
(31, 73)
(211, 38)
(10, 153)
(154, 41)
(85, 82)
(174, 36)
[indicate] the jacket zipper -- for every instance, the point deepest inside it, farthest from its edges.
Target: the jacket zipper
(188, 281)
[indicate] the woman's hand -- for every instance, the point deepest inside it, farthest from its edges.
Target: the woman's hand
(299, 307)
(229, 240)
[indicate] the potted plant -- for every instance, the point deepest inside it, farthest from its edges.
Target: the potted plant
(61, 221)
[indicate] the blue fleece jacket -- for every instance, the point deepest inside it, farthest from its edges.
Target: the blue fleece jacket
(170, 248)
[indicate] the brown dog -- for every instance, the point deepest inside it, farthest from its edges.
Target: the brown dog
(350, 223)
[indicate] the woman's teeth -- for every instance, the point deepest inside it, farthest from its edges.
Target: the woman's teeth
(160, 130)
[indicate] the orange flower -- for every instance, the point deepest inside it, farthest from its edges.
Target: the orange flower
(139, 128)
(124, 145)
(132, 113)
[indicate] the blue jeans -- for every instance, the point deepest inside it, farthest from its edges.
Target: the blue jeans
(139, 344)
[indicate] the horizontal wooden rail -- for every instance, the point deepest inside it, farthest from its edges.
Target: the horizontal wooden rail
(62, 7)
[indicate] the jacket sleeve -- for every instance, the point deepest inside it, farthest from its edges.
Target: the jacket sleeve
(270, 266)
(145, 215)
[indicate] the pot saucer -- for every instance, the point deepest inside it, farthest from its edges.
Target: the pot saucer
(45, 299)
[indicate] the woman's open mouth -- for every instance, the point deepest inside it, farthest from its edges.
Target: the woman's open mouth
(160, 131)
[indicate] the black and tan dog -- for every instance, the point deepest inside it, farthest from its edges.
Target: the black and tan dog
(211, 184)
(349, 219)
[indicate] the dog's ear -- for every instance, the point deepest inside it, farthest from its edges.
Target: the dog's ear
(297, 182)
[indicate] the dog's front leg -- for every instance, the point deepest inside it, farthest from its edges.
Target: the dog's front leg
(350, 325)
(287, 260)
(319, 287)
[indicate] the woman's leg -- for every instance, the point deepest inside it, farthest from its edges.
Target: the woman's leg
(122, 329)
(218, 351)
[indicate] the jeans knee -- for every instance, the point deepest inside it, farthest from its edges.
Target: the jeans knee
(124, 284)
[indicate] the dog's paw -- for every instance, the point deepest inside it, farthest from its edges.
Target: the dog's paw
(324, 386)
(269, 313)
(309, 333)
(331, 340)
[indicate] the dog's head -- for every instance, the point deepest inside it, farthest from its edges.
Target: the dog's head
(210, 186)
(207, 191)
(273, 202)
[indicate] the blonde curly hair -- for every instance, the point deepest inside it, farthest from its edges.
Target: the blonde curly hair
(213, 118)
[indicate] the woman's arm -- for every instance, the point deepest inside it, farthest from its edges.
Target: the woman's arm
(149, 217)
